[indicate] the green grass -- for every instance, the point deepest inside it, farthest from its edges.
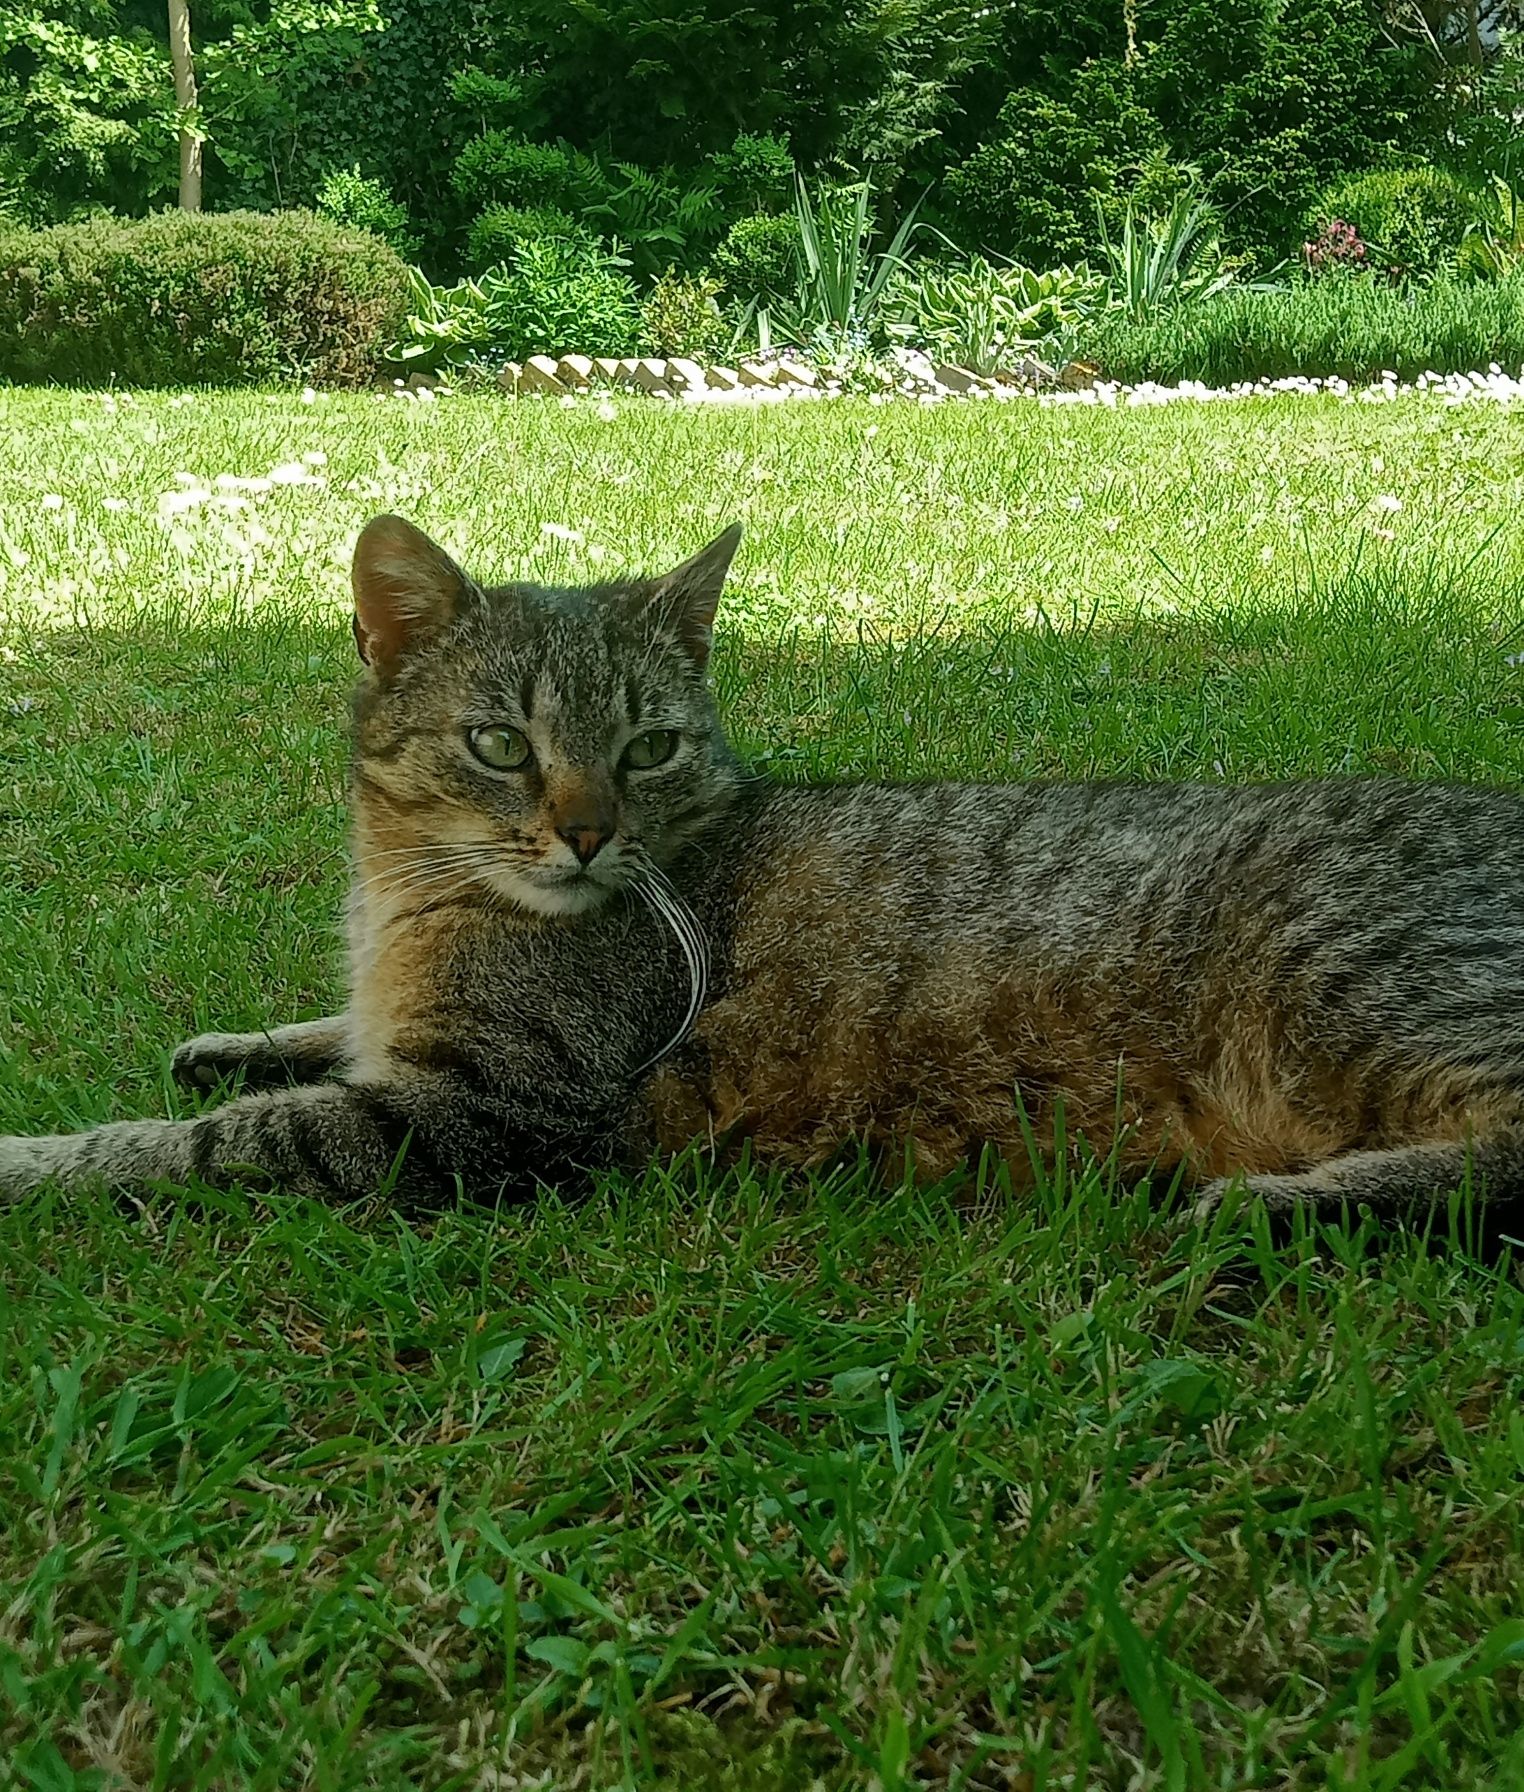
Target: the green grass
(1355, 328)
(726, 1481)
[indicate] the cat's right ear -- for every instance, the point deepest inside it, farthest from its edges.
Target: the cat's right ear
(407, 590)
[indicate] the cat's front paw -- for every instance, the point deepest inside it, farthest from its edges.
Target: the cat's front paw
(211, 1058)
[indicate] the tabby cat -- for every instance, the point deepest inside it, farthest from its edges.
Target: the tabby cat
(580, 934)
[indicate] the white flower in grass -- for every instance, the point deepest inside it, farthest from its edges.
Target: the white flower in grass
(177, 503)
(52, 501)
(114, 505)
(1385, 503)
(563, 532)
(606, 411)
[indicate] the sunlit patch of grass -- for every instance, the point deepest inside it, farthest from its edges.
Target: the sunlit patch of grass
(719, 1481)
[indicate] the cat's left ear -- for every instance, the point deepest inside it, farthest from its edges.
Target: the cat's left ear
(690, 594)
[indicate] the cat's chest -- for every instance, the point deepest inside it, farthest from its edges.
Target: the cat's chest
(576, 1004)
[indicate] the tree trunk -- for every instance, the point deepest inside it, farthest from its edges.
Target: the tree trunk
(185, 99)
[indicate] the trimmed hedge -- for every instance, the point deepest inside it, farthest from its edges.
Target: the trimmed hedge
(204, 299)
(1353, 326)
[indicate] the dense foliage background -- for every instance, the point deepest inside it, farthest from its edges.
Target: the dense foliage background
(1059, 178)
(671, 122)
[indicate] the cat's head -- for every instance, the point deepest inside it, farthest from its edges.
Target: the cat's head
(543, 742)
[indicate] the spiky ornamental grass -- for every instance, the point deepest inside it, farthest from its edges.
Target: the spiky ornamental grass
(716, 1480)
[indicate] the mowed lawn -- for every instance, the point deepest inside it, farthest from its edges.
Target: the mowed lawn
(726, 1481)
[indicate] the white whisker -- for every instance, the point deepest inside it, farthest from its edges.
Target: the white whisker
(400, 874)
(435, 868)
(667, 904)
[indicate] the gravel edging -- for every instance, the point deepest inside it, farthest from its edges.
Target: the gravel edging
(914, 378)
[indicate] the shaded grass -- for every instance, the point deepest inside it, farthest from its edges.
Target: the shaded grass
(1355, 327)
(725, 1481)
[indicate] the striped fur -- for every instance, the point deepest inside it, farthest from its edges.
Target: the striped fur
(1315, 986)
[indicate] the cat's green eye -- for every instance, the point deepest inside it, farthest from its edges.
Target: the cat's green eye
(647, 751)
(504, 749)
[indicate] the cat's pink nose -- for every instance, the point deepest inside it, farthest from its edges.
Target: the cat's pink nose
(585, 842)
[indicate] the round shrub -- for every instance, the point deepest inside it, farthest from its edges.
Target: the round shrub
(1412, 219)
(500, 168)
(759, 258)
(681, 316)
(197, 299)
(498, 234)
(1030, 191)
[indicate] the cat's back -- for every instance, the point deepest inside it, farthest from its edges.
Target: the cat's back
(1064, 860)
(899, 960)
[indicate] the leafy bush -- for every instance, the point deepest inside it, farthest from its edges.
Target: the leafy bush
(756, 174)
(1413, 220)
(498, 234)
(1354, 328)
(558, 298)
(681, 316)
(502, 168)
(226, 299)
(759, 258)
(983, 317)
(660, 215)
(1031, 190)
(563, 298)
(351, 199)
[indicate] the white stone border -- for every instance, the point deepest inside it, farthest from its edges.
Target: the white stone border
(912, 376)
